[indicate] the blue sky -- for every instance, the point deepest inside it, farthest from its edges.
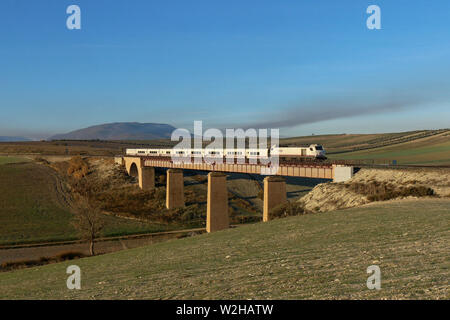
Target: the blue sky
(228, 63)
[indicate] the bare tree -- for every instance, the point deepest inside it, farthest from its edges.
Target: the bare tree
(88, 220)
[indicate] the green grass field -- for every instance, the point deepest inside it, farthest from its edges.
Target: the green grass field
(435, 150)
(415, 147)
(33, 208)
(6, 160)
(311, 256)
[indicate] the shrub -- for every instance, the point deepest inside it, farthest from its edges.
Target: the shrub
(261, 194)
(69, 255)
(287, 209)
(160, 194)
(78, 167)
(200, 178)
(41, 160)
(19, 264)
(240, 219)
(384, 191)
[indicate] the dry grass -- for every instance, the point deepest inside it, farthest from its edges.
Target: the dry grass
(287, 209)
(382, 191)
(313, 256)
(378, 185)
(115, 192)
(78, 168)
(36, 206)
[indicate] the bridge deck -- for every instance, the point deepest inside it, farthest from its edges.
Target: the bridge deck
(293, 169)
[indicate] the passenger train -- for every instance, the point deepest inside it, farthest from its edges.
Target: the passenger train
(314, 151)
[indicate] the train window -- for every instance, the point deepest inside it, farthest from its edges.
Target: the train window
(319, 148)
(311, 149)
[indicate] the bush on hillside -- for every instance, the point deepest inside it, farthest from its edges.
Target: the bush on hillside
(78, 167)
(382, 191)
(287, 209)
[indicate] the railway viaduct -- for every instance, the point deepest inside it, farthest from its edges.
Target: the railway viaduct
(217, 201)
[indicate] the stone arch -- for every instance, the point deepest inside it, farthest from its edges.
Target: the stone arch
(145, 175)
(133, 166)
(134, 172)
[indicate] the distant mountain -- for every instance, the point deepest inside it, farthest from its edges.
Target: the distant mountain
(119, 131)
(13, 139)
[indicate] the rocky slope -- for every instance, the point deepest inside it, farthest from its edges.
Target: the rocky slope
(398, 183)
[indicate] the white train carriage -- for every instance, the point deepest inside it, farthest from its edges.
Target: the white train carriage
(213, 153)
(136, 152)
(257, 153)
(165, 152)
(183, 153)
(197, 153)
(235, 153)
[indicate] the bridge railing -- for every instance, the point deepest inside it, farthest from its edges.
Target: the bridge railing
(247, 161)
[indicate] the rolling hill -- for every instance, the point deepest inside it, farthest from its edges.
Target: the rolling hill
(35, 206)
(431, 147)
(315, 256)
(119, 131)
(417, 149)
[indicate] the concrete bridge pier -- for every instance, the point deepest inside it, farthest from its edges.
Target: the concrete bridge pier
(147, 178)
(217, 213)
(174, 189)
(274, 194)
